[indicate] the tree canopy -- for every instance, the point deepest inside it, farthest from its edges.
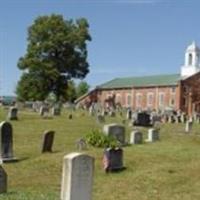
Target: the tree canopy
(56, 53)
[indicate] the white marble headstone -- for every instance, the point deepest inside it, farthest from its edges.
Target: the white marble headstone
(77, 177)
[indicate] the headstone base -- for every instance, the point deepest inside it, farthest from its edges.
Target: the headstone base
(9, 160)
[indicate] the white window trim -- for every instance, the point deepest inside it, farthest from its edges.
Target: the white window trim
(159, 95)
(128, 95)
(136, 102)
(148, 95)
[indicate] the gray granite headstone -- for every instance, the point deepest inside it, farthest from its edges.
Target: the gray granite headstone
(115, 130)
(12, 114)
(136, 137)
(48, 139)
(77, 177)
(6, 142)
(3, 180)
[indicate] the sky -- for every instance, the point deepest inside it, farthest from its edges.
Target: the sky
(129, 37)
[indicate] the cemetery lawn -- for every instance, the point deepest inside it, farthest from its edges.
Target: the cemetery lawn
(165, 170)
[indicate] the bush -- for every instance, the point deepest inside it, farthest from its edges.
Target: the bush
(98, 139)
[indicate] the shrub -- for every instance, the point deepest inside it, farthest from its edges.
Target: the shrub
(98, 139)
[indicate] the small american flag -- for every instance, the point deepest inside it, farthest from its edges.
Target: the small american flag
(105, 162)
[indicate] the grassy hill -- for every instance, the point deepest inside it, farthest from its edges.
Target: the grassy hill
(168, 169)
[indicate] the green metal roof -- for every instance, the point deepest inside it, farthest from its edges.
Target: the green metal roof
(144, 81)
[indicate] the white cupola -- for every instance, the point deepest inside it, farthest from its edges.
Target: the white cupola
(192, 56)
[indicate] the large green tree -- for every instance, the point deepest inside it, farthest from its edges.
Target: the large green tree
(56, 52)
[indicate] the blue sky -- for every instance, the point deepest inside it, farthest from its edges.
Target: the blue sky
(129, 37)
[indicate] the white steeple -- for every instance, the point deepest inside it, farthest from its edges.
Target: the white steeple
(192, 57)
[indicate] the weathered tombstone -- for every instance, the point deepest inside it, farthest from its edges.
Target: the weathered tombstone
(47, 143)
(100, 118)
(81, 144)
(6, 142)
(3, 180)
(113, 159)
(129, 114)
(115, 130)
(188, 126)
(136, 137)
(12, 114)
(77, 177)
(153, 135)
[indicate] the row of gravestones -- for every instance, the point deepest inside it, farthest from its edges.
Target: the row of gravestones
(118, 132)
(44, 112)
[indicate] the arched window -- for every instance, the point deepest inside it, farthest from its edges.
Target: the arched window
(190, 59)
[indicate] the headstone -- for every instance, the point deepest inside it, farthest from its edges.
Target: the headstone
(70, 116)
(113, 159)
(56, 111)
(129, 114)
(171, 119)
(115, 130)
(136, 137)
(142, 119)
(12, 114)
(47, 143)
(100, 118)
(91, 110)
(77, 177)
(183, 118)
(112, 113)
(81, 144)
(188, 126)
(43, 110)
(3, 180)
(6, 142)
(153, 135)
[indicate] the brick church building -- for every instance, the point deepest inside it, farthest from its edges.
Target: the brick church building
(159, 92)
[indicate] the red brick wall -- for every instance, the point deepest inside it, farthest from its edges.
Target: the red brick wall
(166, 90)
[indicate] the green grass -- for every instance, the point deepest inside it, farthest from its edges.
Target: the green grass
(165, 170)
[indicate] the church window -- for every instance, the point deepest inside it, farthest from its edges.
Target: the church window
(118, 98)
(128, 101)
(150, 99)
(138, 100)
(173, 89)
(161, 99)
